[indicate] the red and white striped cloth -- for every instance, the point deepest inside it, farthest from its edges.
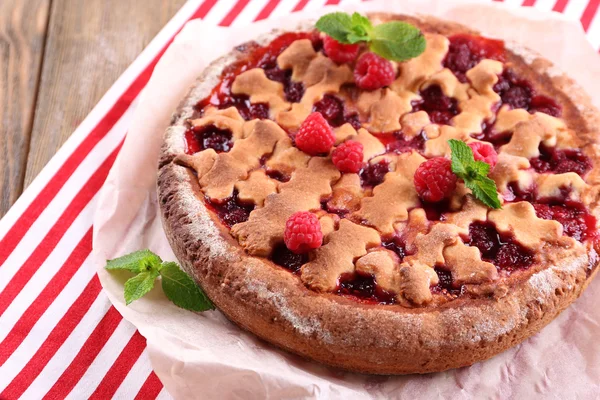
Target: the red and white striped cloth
(59, 335)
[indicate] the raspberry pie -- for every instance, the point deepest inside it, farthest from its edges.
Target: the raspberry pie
(306, 184)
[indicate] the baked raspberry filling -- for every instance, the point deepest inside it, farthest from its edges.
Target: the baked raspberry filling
(519, 93)
(490, 135)
(515, 193)
(231, 211)
(576, 221)
(332, 109)
(395, 244)
(372, 174)
(277, 175)
(440, 107)
(503, 251)
(561, 161)
(287, 259)
(446, 285)
(364, 288)
(207, 137)
(466, 51)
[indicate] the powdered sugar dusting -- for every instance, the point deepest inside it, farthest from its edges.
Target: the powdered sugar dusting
(202, 225)
(174, 138)
(306, 326)
(546, 281)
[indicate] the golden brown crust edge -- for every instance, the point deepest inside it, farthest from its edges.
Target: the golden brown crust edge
(273, 303)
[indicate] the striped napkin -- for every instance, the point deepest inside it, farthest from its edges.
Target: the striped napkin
(59, 335)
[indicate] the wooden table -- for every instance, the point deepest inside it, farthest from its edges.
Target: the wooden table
(57, 59)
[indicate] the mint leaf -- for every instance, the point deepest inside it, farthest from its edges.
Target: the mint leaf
(138, 261)
(473, 173)
(182, 290)
(139, 285)
(178, 287)
(361, 27)
(462, 157)
(484, 189)
(480, 168)
(338, 25)
(397, 41)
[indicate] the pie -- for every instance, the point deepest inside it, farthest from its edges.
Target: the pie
(392, 284)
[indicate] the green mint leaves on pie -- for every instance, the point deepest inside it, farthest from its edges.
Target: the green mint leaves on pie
(177, 285)
(395, 40)
(474, 174)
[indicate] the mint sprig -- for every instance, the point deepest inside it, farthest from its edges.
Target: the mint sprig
(395, 40)
(474, 173)
(177, 285)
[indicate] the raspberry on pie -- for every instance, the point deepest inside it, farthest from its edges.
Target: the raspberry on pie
(348, 156)
(484, 152)
(434, 180)
(373, 72)
(309, 192)
(302, 232)
(315, 135)
(338, 52)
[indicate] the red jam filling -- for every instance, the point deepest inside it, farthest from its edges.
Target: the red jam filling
(561, 161)
(515, 193)
(464, 53)
(576, 221)
(396, 142)
(436, 211)
(488, 134)
(441, 108)
(446, 285)
(285, 258)
(396, 245)
(278, 176)
(501, 250)
(334, 112)
(231, 211)
(519, 93)
(372, 174)
(208, 137)
(364, 288)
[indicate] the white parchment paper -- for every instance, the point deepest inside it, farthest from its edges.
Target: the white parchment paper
(205, 356)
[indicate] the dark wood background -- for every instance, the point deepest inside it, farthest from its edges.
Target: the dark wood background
(57, 59)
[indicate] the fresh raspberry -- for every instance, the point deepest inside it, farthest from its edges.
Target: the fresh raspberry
(302, 232)
(373, 72)
(434, 179)
(315, 135)
(484, 152)
(339, 52)
(348, 156)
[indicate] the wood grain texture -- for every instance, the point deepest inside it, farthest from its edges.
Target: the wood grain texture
(89, 44)
(23, 26)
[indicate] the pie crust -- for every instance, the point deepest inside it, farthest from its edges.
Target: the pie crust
(422, 331)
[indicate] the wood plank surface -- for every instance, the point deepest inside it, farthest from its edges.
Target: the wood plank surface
(23, 26)
(89, 44)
